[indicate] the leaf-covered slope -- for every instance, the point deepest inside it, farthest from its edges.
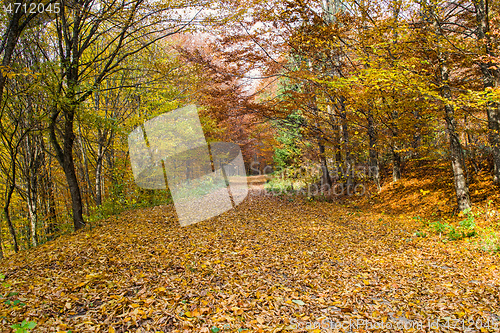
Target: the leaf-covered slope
(268, 265)
(427, 190)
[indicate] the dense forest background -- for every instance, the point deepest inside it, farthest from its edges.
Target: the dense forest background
(319, 92)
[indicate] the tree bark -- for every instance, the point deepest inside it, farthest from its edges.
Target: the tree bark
(494, 139)
(334, 123)
(491, 79)
(396, 165)
(6, 212)
(348, 171)
(456, 151)
(8, 197)
(373, 153)
(51, 208)
(325, 175)
(100, 158)
(98, 177)
(1, 242)
(32, 186)
(64, 156)
(32, 213)
(74, 189)
(85, 171)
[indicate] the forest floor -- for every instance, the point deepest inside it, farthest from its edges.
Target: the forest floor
(273, 264)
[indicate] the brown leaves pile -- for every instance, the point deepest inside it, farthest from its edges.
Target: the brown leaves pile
(268, 263)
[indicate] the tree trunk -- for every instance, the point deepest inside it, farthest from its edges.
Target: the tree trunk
(48, 197)
(98, 179)
(325, 175)
(456, 151)
(51, 209)
(373, 153)
(494, 139)
(85, 171)
(457, 162)
(1, 241)
(99, 166)
(491, 79)
(336, 146)
(33, 161)
(348, 171)
(7, 216)
(74, 189)
(469, 148)
(32, 197)
(64, 156)
(117, 190)
(32, 213)
(396, 165)
(417, 138)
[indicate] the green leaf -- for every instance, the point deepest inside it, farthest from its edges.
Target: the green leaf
(214, 329)
(298, 302)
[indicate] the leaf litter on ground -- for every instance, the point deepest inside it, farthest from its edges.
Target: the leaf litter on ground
(270, 265)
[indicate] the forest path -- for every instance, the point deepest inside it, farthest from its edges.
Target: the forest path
(268, 264)
(257, 182)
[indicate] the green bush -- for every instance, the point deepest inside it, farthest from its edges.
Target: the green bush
(465, 229)
(468, 223)
(491, 243)
(24, 327)
(440, 227)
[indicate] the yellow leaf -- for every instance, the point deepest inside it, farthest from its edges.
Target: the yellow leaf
(82, 284)
(111, 329)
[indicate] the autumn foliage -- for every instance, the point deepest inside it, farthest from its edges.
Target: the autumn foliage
(394, 102)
